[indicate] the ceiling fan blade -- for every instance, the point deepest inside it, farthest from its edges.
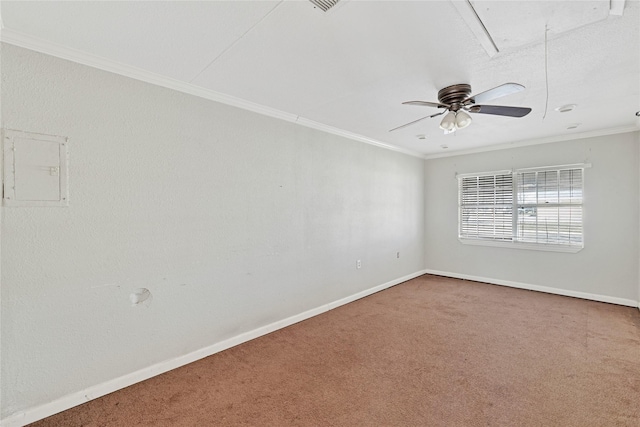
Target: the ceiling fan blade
(427, 104)
(416, 121)
(496, 92)
(500, 110)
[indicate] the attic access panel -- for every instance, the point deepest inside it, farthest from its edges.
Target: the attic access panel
(503, 25)
(35, 169)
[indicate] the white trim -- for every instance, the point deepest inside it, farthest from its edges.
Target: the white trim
(522, 245)
(475, 24)
(538, 141)
(476, 174)
(356, 137)
(66, 402)
(74, 55)
(538, 288)
(555, 168)
(537, 169)
(43, 46)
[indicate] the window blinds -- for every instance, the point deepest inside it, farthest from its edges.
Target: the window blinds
(550, 207)
(542, 206)
(486, 207)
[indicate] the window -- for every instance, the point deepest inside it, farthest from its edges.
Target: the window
(538, 208)
(486, 207)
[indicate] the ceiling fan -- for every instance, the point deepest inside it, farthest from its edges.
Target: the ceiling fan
(456, 99)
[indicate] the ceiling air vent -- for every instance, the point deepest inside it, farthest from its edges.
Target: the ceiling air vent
(325, 5)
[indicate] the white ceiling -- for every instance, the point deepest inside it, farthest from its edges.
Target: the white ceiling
(352, 67)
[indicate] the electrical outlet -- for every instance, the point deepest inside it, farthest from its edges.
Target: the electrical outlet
(358, 264)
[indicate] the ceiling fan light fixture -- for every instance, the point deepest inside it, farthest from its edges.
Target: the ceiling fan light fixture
(462, 120)
(448, 124)
(456, 102)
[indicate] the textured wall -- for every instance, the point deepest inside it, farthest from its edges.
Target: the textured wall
(608, 264)
(231, 219)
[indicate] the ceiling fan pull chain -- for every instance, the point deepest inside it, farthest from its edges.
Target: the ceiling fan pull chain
(546, 71)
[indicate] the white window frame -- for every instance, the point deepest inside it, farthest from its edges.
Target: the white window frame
(514, 242)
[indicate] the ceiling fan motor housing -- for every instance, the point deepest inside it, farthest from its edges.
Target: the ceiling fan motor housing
(454, 95)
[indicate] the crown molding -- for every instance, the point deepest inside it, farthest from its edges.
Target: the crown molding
(63, 52)
(356, 137)
(545, 140)
(44, 46)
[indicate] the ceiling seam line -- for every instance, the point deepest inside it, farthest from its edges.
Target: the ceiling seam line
(235, 42)
(484, 27)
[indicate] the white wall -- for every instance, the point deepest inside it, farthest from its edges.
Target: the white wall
(231, 219)
(608, 264)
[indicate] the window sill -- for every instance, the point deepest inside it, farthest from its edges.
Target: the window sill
(520, 245)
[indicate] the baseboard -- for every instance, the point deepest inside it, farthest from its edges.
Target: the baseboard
(546, 289)
(39, 412)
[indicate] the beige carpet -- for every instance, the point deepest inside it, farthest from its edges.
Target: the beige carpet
(429, 352)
